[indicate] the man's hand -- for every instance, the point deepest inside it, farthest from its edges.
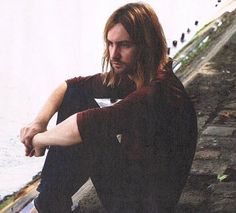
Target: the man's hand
(36, 152)
(26, 135)
(40, 123)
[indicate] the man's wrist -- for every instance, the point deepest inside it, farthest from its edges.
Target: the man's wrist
(41, 123)
(37, 141)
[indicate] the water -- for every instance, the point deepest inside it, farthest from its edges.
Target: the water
(44, 42)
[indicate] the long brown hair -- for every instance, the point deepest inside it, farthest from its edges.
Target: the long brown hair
(145, 30)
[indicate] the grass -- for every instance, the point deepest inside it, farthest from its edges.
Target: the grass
(196, 47)
(193, 54)
(196, 38)
(7, 200)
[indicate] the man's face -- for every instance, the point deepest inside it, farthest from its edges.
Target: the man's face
(122, 50)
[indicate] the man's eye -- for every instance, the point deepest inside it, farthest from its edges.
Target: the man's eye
(125, 44)
(109, 44)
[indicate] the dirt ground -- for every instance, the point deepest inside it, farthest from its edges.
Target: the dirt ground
(212, 85)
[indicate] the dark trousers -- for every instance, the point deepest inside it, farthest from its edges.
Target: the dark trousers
(66, 169)
(122, 185)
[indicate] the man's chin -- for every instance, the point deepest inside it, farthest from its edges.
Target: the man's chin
(119, 71)
(122, 71)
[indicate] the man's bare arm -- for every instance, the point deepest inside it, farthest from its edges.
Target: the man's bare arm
(65, 133)
(51, 106)
(41, 121)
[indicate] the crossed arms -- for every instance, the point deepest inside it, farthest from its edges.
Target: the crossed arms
(35, 136)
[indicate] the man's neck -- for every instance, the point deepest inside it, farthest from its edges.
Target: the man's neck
(137, 82)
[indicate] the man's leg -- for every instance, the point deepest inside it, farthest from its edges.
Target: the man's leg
(64, 172)
(119, 183)
(66, 168)
(107, 174)
(130, 186)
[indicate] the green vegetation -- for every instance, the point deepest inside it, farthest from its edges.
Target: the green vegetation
(196, 38)
(7, 200)
(185, 61)
(202, 40)
(221, 177)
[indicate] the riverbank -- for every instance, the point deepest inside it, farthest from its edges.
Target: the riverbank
(18, 200)
(210, 78)
(212, 84)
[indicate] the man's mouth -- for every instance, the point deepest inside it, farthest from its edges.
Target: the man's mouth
(116, 64)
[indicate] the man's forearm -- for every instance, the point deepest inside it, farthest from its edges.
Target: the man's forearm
(64, 134)
(51, 106)
(40, 123)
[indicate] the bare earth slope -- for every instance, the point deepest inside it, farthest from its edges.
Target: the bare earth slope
(212, 84)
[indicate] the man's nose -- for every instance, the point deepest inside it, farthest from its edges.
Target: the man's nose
(115, 52)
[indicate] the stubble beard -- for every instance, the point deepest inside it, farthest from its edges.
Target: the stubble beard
(124, 69)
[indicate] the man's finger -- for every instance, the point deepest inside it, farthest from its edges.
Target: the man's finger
(31, 153)
(28, 151)
(22, 133)
(28, 141)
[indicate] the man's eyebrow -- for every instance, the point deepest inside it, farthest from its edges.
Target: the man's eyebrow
(121, 41)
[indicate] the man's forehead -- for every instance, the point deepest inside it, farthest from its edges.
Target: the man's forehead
(118, 33)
